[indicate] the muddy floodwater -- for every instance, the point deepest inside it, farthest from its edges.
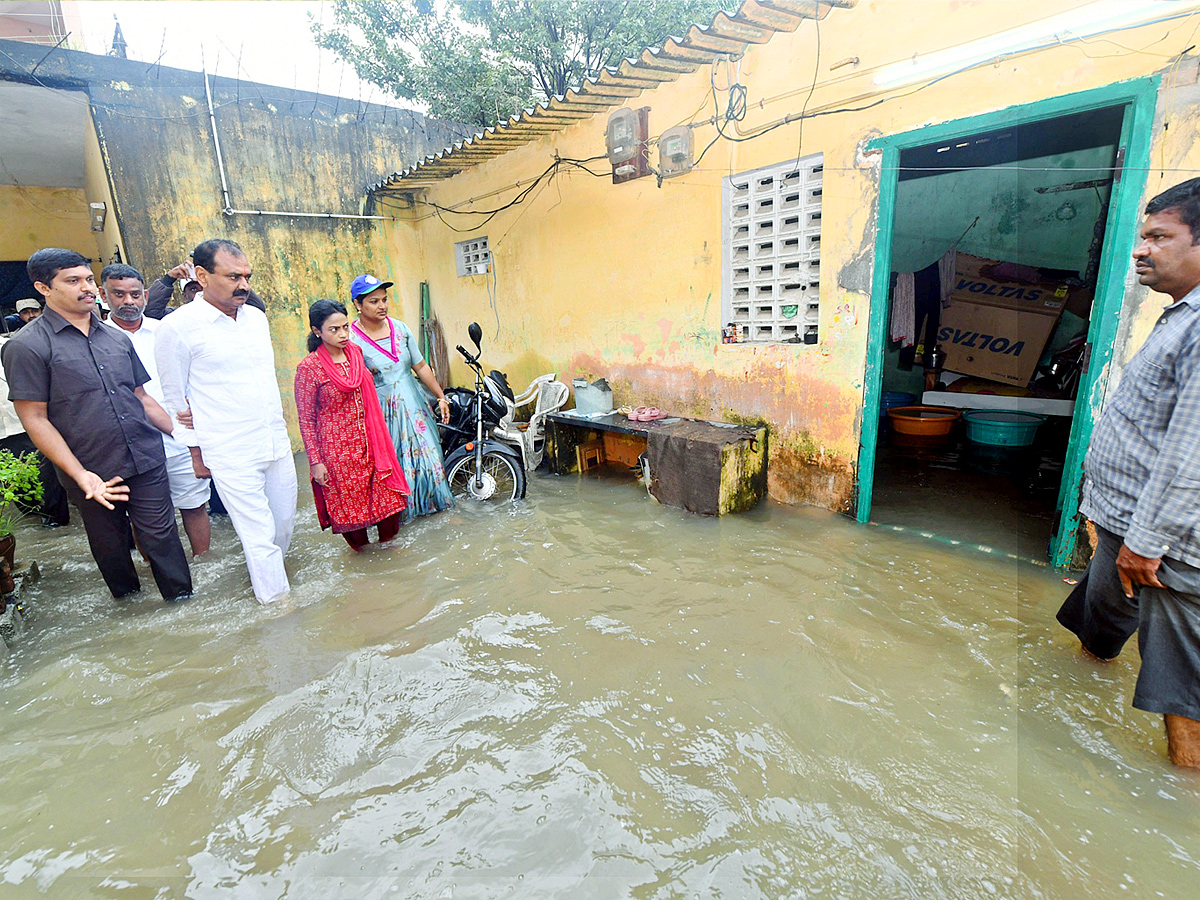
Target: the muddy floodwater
(585, 695)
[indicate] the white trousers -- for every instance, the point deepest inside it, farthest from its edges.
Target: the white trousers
(261, 500)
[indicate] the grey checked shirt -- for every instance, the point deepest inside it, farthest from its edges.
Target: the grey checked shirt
(1142, 471)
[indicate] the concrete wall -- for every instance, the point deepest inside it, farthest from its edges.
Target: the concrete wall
(625, 281)
(283, 150)
(36, 217)
(109, 243)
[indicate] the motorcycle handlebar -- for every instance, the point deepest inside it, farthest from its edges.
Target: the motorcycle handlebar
(472, 361)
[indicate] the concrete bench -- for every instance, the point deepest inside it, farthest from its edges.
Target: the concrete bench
(711, 468)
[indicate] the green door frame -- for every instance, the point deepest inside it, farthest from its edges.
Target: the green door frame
(1139, 97)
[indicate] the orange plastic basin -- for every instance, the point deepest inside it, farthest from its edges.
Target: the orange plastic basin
(923, 421)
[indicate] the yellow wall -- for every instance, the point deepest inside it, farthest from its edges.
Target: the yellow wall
(36, 217)
(625, 281)
(108, 242)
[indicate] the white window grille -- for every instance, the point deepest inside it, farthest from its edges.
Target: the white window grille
(772, 243)
(472, 257)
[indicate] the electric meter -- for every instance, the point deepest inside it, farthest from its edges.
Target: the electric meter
(625, 139)
(675, 151)
(621, 137)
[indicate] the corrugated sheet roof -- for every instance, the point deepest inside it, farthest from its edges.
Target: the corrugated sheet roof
(755, 22)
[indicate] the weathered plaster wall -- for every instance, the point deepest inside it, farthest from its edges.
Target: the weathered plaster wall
(625, 281)
(36, 217)
(1175, 157)
(283, 151)
(98, 189)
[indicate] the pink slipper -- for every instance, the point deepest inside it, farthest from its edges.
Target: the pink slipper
(647, 414)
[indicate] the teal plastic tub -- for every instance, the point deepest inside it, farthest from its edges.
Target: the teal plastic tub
(1001, 428)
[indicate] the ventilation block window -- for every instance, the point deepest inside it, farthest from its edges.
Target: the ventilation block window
(772, 244)
(472, 257)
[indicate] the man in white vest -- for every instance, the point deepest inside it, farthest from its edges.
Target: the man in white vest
(215, 357)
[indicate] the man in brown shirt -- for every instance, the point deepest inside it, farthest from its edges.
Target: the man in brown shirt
(77, 388)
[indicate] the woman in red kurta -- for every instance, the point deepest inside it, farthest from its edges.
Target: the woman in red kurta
(357, 480)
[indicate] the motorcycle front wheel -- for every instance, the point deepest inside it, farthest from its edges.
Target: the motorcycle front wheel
(500, 479)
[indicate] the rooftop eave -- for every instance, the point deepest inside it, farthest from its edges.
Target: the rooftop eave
(755, 22)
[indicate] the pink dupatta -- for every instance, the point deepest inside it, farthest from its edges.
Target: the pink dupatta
(379, 441)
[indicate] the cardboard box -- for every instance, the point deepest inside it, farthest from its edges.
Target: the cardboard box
(997, 329)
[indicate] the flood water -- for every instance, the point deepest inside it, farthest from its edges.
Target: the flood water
(585, 695)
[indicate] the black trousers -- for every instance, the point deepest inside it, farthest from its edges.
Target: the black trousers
(1098, 611)
(149, 510)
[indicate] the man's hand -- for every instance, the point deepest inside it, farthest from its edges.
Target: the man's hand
(319, 474)
(1133, 569)
(185, 418)
(103, 492)
(180, 272)
(198, 466)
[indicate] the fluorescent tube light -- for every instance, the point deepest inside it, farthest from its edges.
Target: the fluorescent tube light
(1086, 21)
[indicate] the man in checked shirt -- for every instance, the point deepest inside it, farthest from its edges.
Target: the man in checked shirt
(1142, 489)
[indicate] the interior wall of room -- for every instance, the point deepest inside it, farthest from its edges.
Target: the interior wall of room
(1016, 223)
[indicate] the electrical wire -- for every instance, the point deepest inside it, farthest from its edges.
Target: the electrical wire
(491, 213)
(811, 90)
(788, 120)
(735, 111)
(549, 172)
(493, 290)
(528, 207)
(804, 114)
(1170, 99)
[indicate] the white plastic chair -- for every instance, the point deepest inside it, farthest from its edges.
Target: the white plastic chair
(509, 419)
(531, 436)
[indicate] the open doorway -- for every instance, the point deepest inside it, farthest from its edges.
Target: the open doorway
(1005, 361)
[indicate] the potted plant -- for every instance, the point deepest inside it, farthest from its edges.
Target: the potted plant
(20, 492)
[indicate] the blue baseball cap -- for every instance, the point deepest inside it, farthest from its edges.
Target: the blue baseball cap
(364, 284)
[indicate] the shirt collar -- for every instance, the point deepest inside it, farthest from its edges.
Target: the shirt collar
(55, 321)
(1191, 298)
(148, 325)
(211, 312)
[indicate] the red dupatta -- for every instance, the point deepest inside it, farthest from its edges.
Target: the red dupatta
(379, 441)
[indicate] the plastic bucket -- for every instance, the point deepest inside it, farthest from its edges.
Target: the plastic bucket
(892, 399)
(1002, 428)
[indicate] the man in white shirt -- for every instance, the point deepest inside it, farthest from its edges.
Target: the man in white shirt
(215, 356)
(124, 289)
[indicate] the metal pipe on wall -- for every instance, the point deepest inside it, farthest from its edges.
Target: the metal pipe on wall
(227, 207)
(212, 118)
(303, 215)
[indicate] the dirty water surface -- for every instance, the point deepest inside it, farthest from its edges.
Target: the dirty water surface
(584, 695)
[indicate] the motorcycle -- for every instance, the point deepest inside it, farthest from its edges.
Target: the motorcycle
(477, 465)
